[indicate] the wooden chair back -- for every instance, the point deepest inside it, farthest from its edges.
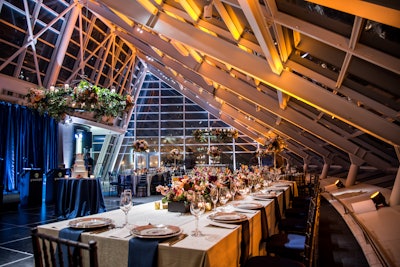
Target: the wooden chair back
(47, 251)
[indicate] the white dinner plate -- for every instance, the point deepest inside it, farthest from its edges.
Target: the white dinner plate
(228, 217)
(87, 223)
(263, 196)
(248, 205)
(156, 231)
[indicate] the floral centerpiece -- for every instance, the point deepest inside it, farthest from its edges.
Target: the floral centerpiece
(140, 146)
(175, 154)
(182, 191)
(214, 151)
(58, 102)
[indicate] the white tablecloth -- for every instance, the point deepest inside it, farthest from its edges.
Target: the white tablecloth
(191, 251)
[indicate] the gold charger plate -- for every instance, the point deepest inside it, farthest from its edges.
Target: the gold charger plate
(88, 223)
(228, 217)
(156, 231)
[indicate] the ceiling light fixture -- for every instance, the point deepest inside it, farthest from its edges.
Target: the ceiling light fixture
(207, 12)
(379, 199)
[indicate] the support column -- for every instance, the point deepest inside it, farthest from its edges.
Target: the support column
(305, 165)
(395, 195)
(353, 170)
(351, 176)
(325, 168)
(58, 59)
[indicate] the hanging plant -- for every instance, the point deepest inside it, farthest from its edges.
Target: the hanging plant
(222, 135)
(58, 102)
(275, 145)
(140, 146)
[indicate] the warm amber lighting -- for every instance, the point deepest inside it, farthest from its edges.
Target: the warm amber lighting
(181, 48)
(207, 30)
(148, 6)
(339, 184)
(379, 199)
(230, 19)
(248, 50)
(191, 8)
(195, 55)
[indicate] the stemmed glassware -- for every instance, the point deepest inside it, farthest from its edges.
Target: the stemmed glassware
(233, 189)
(125, 204)
(243, 190)
(197, 207)
(224, 195)
(214, 194)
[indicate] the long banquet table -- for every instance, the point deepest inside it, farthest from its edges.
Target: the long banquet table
(217, 247)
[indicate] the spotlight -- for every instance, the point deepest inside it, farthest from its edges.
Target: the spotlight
(339, 184)
(207, 14)
(379, 199)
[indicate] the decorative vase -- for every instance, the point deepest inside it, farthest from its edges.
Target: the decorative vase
(179, 206)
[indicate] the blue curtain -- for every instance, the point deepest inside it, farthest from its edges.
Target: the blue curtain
(27, 140)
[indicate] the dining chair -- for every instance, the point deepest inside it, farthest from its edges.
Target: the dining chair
(296, 246)
(49, 251)
(115, 182)
(141, 188)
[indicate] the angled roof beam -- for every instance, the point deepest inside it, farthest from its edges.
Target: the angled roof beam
(365, 9)
(251, 9)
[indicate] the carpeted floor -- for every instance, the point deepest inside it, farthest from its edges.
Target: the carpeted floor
(337, 245)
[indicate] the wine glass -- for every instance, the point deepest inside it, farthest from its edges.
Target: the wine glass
(224, 195)
(214, 196)
(125, 204)
(233, 189)
(243, 190)
(197, 207)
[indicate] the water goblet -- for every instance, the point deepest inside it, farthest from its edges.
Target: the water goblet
(125, 204)
(224, 195)
(197, 207)
(214, 196)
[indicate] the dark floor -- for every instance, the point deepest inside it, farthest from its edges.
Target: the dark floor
(337, 246)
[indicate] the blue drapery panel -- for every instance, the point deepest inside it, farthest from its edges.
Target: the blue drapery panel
(27, 139)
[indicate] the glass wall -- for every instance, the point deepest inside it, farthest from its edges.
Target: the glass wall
(165, 119)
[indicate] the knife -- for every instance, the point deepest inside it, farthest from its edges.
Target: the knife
(177, 239)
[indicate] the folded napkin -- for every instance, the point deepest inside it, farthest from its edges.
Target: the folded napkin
(223, 225)
(245, 244)
(277, 210)
(120, 233)
(264, 224)
(71, 234)
(142, 252)
(245, 210)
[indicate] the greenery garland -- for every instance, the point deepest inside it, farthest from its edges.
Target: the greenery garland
(59, 102)
(222, 135)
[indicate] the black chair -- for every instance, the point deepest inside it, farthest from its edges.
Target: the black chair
(141, 188)
(115, 182)
(47, 251)
(297, 222)
(296, 246)
(158, 179)
(127, 182)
